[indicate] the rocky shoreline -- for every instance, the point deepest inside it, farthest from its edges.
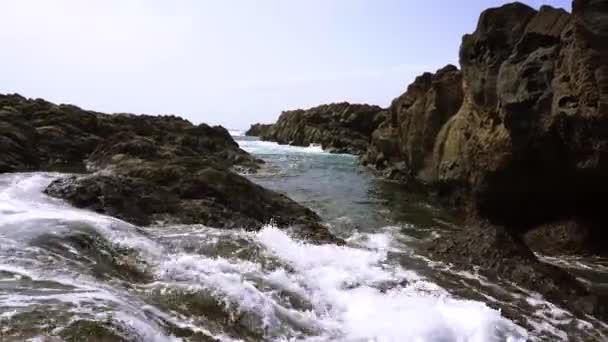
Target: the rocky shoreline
(516, 142)
(145, 169)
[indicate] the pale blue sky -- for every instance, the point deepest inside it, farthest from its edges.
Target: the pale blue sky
(227, 62)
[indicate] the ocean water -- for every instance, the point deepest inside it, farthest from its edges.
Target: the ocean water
(66, 271)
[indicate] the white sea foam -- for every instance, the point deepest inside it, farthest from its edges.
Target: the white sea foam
(236, 132)
(266, 147)
(345, 285)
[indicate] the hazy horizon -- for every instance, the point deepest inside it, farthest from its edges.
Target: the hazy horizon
(230, 64)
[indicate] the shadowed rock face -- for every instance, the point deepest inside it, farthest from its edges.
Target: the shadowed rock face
(337, 127)
(144, 168)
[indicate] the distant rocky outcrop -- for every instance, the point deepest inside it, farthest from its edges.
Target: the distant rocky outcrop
(144, 169)
(258, 130)
(337, 127)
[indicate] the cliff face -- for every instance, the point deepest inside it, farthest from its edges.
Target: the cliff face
(505, 144)
(401, 145)
(522, 140)
(338, 127)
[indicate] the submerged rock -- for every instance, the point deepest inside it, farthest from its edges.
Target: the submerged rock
(337, 127)
(529, 146)
(145, 169)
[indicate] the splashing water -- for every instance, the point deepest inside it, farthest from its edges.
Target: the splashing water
(209, 282)
(65, 272)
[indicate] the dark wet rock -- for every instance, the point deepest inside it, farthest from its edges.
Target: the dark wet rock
(337, 127)
(102, 331)
(39, 135)
(563, 237)
(146, 192)
(502, 254)
(145, 169)
(97, 255)
(17, 143)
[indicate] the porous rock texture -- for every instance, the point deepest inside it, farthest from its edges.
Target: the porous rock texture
(519, 147)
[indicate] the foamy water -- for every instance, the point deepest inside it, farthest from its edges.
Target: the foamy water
(266, 283)
(59, 265)
(267, 147)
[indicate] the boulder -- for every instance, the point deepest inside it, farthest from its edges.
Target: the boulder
(182, 192)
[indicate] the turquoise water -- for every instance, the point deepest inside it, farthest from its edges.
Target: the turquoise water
(339, 188)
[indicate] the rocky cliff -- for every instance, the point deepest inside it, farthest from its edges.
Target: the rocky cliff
(144, 169)
(518, 140)
(520, 136)
(337, 127)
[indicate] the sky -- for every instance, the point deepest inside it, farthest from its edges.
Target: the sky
(228, 62)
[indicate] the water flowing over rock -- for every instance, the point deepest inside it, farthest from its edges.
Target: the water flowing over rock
(337, 127)
(145, 169)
